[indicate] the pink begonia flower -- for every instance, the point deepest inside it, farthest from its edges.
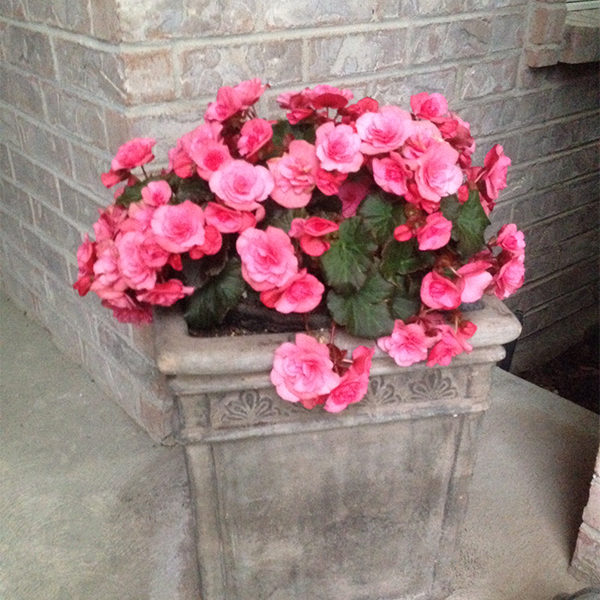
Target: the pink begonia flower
(390, 174)
(178, 227)
(86, 256)
(139, 217)
(241, 185)
(180, 162)
(255, 134)
(510, 277)
(268, 258)
(230, 100)
(407, 344)
(351, 194)
(424, 134)
(294, 175)
(354, 383)
(461, 140)
(228, 220)
(428, 106)
(476, 279)
(134, 153)
(207, 150)
(303, 370)
(495, 166)
(138, 274)
(328, 96)
(383, 131)
(156, 193)
(213, 241)
(338, 148)
(329, 182)
(111, 177)
(301, 294)
(108, 280)
(299, 105)
(310, 231)
(450, 343)
(165, 294)
(512, 240)
(364, 105)
(437, 175)
(435, 233)
(439, 292)
(403, 233)
(109, 222)
(128, 310)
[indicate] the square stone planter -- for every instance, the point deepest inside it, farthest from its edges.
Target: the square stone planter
(293, 504)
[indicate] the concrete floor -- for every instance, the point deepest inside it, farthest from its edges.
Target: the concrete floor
(91, 509)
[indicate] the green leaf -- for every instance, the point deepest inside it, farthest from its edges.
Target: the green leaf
(403, 307)
(470, 225)
(209, 304)
(401, 258)
(280, 130)
(346, 263)
(450, 207)
(131, 194)
(194, 189)
(364, 313)
(380, 217)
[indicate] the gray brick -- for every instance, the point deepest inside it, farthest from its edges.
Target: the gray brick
(72, 15)
(39, 182)
(46, 254)
(449, 41)
(5, 166)
(104, 16)
(56, 227)
(87, 167)
(566, 166)
(148, 76)
(490, 77)
(30, 51)
(75, 115)
(45, 147)
(206, 69)
(90, 70)
(314, 13)
(80, 207)
(14, 8)
(398, 90)
(22, 91)
(17, 202)
(579, 96)
(507, 32)
(343, 55)
(9, 129)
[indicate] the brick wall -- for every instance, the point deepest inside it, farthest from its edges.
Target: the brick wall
(80, 77)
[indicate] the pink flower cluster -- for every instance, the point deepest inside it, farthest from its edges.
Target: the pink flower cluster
(314, 373)
(225, 194)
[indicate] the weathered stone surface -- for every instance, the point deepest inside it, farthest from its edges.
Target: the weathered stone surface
(280, 490)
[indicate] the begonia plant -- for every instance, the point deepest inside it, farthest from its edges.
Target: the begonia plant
(351, 214)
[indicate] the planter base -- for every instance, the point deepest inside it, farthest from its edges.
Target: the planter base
(295, 504)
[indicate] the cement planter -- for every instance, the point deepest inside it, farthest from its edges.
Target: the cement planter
(296, 505)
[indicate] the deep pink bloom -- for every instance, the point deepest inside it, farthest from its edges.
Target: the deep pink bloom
(156, 193)
(109, 222)
(383, 131)
(423, 135)
(476, 278)
(437, 174)
(328, 96)
(407, 344)
(495, 164)
(138, 274)
(209, 156)
(255, 134)
(435, 233)
(228, 220)
(510, 277)
(268, 258)
(165, 294)
(354, 383)
(178, 227)
(428, 106)
(86, 256)
(128, 310)
(450, 343)
(439, 292)
(329, 182)
(213, 240)
(403, 233)
(391, 174)
(310, 233)
(303, 370)
(133, 153)
(294, 175)
(241, 185)
(512, 240)
(113, 177)
(108, 281)
(301, 294)
(231, 100)
(338, 148)
(352, 193)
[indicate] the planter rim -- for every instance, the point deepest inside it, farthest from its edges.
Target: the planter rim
(177, 353)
